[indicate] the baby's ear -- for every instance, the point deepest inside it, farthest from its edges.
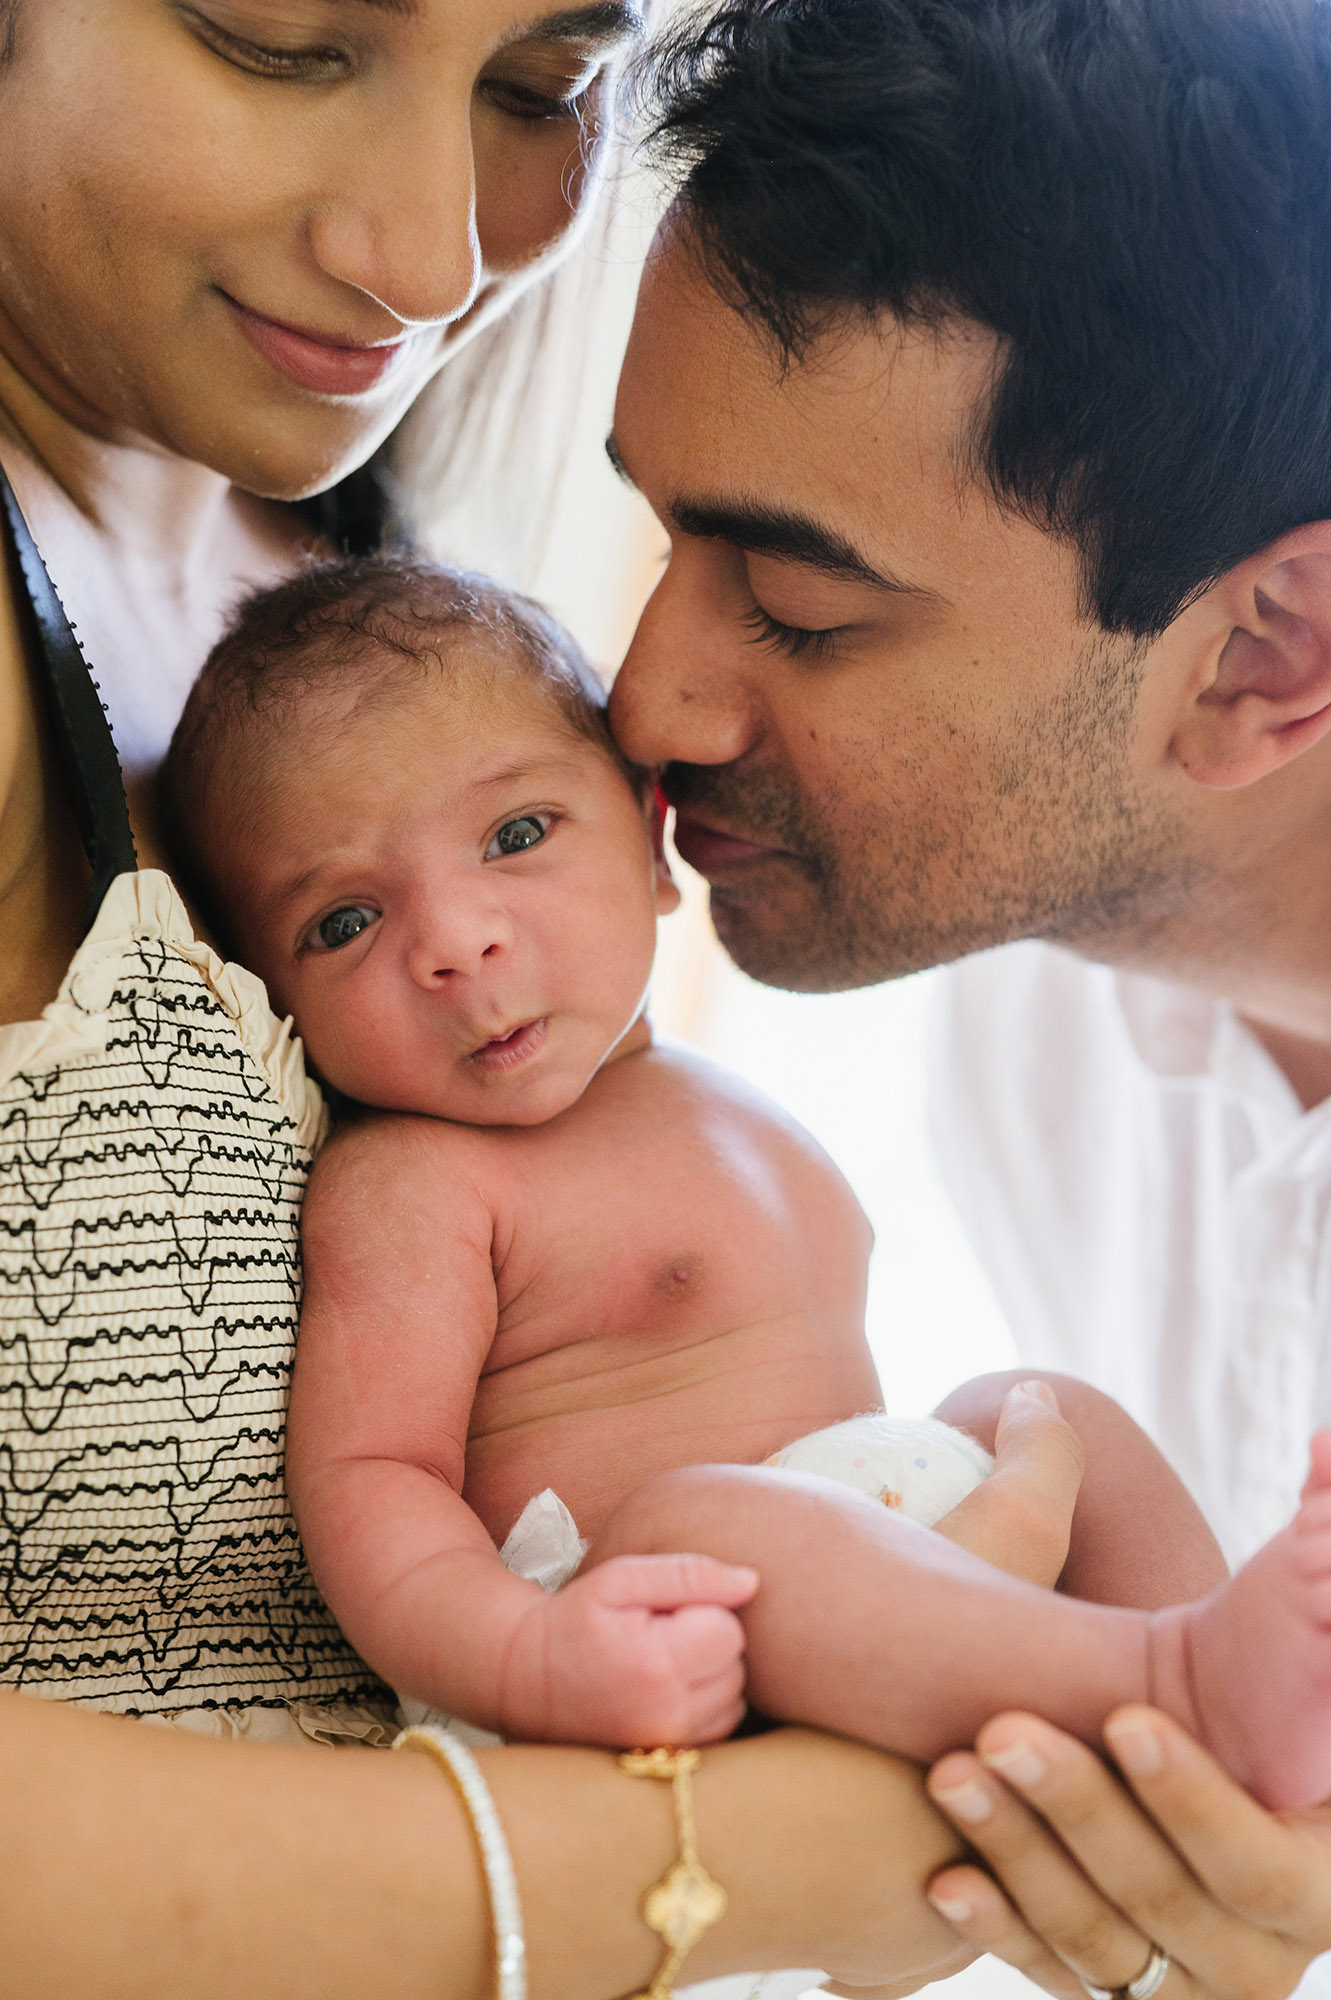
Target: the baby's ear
(667, 889)
(1266, 693)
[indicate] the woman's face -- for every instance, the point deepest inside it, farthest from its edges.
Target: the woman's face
(246, 230)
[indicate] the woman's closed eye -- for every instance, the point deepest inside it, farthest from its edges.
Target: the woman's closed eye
(340, 926)
(515, 836)
(318, 62)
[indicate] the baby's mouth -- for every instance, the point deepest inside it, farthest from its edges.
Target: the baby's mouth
(517, 1046)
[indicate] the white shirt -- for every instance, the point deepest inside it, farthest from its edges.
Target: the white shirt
(1151, 1204)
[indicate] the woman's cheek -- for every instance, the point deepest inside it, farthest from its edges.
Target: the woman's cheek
(526, 201)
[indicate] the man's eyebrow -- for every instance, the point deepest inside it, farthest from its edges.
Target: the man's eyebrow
(770, 531)
(600, 22)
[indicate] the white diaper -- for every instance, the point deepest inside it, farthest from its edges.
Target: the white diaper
(912, 1463)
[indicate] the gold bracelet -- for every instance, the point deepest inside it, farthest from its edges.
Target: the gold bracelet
(686, 1901)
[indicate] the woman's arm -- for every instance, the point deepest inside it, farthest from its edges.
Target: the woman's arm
(1093, 1869)
(140, 1865)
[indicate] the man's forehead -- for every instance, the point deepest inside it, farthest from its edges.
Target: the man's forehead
(873, 420)
(934, 366)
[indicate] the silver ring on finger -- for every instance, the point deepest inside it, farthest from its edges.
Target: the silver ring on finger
(1144, 1987)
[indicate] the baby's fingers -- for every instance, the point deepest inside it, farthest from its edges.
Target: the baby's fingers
(666, 1583)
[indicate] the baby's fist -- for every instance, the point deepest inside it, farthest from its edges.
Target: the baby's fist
(640, 1650)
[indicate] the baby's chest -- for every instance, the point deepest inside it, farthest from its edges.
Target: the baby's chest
(625, 1279)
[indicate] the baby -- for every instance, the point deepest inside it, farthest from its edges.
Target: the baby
(545, 1254)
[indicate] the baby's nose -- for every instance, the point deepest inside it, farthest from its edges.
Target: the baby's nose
(457, 949)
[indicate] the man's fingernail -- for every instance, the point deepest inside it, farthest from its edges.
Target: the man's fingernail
(956, 1913)
(969, 1801)
(1018, 1763)
(1041, 1391)
(1137, 1747)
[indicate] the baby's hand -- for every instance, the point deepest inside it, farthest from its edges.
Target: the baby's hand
(640, 1650)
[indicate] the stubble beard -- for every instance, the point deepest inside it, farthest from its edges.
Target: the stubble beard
(1052, 837)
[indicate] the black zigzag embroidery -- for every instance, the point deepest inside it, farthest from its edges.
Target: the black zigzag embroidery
(149, 1292)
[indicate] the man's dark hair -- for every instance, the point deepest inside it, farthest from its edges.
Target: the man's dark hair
(1135, 195)
(333, 629)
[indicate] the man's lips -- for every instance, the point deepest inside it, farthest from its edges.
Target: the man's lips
(317, 361)
(713, 852)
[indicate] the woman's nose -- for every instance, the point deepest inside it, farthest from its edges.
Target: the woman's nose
(679, 698)
(401, 226)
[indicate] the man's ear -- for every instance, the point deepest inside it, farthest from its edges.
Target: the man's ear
(1267, 696)
(667, 889)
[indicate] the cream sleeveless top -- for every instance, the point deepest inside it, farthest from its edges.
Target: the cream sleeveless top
(156, 1129)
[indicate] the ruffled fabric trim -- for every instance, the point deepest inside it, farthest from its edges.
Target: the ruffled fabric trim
(334, 1725)
(146, 908)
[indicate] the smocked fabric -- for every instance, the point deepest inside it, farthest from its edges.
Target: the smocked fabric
(156, 1130)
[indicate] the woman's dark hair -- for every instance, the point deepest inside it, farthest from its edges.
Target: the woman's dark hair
(1135, 195)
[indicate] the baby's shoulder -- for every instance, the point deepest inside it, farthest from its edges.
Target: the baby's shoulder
(698, 1099)
(388, 1162)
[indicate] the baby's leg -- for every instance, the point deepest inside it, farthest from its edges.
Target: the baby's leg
(1137, 1537)
(870, 1626)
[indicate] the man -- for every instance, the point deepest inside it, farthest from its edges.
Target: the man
(982, 379)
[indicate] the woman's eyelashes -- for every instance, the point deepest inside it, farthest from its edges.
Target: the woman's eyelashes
(516, 835)
(792, 640)
(538, 100)
(320, 62)
(340, 926)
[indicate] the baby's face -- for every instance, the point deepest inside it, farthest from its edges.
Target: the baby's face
(456, 897)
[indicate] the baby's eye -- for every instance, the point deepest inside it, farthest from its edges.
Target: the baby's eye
(341, 926)
(515, 835)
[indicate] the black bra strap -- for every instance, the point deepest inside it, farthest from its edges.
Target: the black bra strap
(83, 734)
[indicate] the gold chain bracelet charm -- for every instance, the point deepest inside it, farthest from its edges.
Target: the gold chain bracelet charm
(686, 1901)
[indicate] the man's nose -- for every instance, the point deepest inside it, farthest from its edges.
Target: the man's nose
(455, 944)
(679, 698)
(400, 224)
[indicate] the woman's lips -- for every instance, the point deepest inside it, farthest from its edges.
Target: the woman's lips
(507, 1051)
(331, 367)
(712, 852)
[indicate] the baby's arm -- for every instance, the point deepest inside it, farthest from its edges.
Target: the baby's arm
(399, 1315)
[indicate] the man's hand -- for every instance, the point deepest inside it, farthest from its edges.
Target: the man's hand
(640, 1650)
(1092, 1875)
(1020, 1519)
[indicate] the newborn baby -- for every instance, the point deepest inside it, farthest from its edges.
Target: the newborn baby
(546, 1256)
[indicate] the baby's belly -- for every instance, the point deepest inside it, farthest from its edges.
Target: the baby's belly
(595, 1433)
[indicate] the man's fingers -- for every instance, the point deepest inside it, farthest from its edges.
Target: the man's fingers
(1021, 1518)
(978, 1910)
(1273, 1871)
(1074, 1921)
(1037, 1446)
(1094, 1877)
(665, 1583)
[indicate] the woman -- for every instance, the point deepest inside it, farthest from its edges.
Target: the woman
(237, 239)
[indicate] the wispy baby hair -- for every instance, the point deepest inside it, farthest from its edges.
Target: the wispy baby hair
(338, 630)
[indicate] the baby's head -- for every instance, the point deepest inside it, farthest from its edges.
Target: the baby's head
(395, 791)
